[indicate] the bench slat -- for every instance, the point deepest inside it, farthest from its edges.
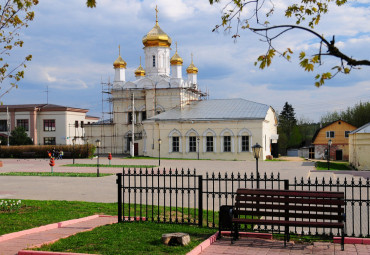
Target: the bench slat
(291, 200)
(335, 217)
(293, 207)
(298, 193)
(289, 223)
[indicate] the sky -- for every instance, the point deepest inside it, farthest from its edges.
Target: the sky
(74, 48)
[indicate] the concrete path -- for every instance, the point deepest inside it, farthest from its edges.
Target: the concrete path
(255, 246)
(12, 243)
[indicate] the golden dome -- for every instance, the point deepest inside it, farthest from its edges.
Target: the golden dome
(176, 59)
(156, 37)
(119, 63)
(140, 71)
(192, 68)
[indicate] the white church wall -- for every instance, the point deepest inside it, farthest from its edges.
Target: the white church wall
(217, 129)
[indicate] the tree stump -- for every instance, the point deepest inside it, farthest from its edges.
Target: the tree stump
(176, 239)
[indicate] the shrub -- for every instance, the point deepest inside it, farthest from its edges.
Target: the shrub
(41, 151)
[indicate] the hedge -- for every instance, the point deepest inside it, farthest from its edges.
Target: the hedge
(41, 151)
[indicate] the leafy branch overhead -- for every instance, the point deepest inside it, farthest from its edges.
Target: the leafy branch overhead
(14, 15)
(306, 14)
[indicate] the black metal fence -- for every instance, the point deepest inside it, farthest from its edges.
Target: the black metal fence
(182, 196)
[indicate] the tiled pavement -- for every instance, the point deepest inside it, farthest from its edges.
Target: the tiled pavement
(255, 246)
(12, 246)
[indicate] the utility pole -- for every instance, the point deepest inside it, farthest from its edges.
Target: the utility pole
(133, 127)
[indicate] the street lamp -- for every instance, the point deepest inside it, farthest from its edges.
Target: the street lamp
(73, 154)
(256, 153)
(97, 144)
(329, 144)
(159, 154)
(198, 139)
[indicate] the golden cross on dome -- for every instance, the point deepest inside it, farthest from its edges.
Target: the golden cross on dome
(192, 57)
(176, 46)
(140, 60)
(119, 50)
(156, 14)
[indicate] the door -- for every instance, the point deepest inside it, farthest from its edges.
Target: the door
(136, 149)
(338, 154)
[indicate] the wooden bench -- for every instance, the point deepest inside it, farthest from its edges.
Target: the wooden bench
(288, 208)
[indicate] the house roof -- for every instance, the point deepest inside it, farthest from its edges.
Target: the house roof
(40, 107)
(364, 129)
(318, 131)
(216, 109)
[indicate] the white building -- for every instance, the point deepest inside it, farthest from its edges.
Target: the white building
(162, 105)
(46, 124)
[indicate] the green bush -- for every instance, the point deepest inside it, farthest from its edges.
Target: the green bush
(41, 151)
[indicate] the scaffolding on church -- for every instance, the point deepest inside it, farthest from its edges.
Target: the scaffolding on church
(112, 139)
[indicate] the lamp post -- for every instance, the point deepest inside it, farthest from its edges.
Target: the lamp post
(198, 139)
(329, 144)
(256, 153)
(97, 144)
(73, 152)
(159, 154)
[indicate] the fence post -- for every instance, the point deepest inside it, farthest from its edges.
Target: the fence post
(200, 200)
(119, 188)
(286, 184)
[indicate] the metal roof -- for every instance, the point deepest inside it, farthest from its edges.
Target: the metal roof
(364, 129)
(216, 109)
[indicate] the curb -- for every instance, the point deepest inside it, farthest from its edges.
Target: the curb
(352, 240)
(23, 252)
(44, 228)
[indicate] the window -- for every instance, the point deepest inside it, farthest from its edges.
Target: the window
(76, 123)
(143, 115)
(192, 143)
(82, 124)
(23, 123)
(153, 61)
(49, 141)
(3, 125)
(175, 144)
(129, 118)
(346, 133)
(245, 143)
(330, 134)
(227, 143)
(49, 125)
(209, 144)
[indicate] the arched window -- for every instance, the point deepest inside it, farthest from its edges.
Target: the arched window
(227, 140)
(192, 141)
(153, 61)
(209, 141)
(174, 140)
(245, 140)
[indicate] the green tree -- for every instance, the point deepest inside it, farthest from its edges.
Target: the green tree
(19, 137)
(306, 14)
(287, 122)
(358, 115)
(14, 15)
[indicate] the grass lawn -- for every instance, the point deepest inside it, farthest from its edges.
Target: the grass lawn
(335, 166)
(130, 238)
(142, 157)
(53, 174)
(34, 213)
(114, 166)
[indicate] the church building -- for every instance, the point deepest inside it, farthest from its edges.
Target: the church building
(163, 112)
